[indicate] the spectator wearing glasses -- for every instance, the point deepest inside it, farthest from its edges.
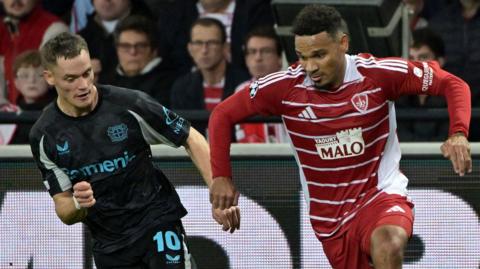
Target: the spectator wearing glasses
(214, 78)
(139, 66)
(100, 27)
(238, 16)
(35, 95)
(263, 56)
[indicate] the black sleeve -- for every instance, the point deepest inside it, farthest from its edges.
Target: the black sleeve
(54, 178)
(159, 124)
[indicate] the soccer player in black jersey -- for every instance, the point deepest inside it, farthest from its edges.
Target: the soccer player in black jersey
(92, 148)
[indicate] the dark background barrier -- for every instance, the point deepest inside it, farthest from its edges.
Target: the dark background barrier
(274, 232)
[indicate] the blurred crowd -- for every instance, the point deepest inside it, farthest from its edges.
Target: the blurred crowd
(192, 54)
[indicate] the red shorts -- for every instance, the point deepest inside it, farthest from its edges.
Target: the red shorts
(350, 247)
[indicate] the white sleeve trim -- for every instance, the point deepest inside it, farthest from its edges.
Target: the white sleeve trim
(149, 133)
(62, 178)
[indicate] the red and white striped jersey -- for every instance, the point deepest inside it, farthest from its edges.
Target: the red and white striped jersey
(344, 139)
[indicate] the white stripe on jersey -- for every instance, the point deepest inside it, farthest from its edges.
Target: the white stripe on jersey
(377, 139)
(325, 219)
(376, 124)
(340, 167)
(271, 76)
(384, 67)
(325, 136)
(306, 151)
(273, 80)
(62, 178)
(371, 91)
(389, 64)
(349, 217)
(355, 114)
(382, 63)
(314, 105)
(342, 184)
(330, 202)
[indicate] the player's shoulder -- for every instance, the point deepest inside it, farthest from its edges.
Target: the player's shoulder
(49, 119)
(371, 66)
(294, 74)
(118, 96)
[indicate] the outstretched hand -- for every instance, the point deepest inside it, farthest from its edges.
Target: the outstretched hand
(223, 193)
(229, 218)
(457, 149)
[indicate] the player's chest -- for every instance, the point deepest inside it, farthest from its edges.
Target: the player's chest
(99, 138)
(311, 104)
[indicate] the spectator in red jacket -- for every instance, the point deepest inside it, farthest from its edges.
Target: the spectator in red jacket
(25, 26)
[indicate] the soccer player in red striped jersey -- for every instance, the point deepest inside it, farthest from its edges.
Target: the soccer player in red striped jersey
(338, 111)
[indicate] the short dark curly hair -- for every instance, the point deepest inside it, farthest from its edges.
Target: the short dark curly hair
(317, 18)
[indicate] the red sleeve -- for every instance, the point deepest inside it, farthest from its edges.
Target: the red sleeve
(429, 78)
(261, 97)
(234, 109)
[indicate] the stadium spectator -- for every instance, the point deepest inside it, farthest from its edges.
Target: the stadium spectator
(239, 17)
(93, 148)
(26, 26)
(36, 94)
(337, 110)
(139, 66)
(459, 26)
(215, 79)
(427, 46)
(263, 56)
(100, 26)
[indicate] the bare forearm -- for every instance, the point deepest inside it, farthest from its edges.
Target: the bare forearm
(67, 212)
(197, 148)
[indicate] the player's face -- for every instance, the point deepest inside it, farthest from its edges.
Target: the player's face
(323, 58)
(18, 8)
(73, 79)
(134, 52)
(261, 56)
(206, 47)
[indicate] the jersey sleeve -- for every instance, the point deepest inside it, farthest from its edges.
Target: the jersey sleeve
(54, 178)
(257, 98)
(413, 78)
(159, 124)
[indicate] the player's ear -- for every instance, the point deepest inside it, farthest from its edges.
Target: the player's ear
(344, 42)
(48, 75)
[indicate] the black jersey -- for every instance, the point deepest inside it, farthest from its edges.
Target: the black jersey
(110, 149)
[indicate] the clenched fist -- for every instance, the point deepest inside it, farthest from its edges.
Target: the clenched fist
(83, 193)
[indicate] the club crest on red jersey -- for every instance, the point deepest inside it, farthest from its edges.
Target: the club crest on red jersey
(360, 102)
(253, 89)
(344, 144)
